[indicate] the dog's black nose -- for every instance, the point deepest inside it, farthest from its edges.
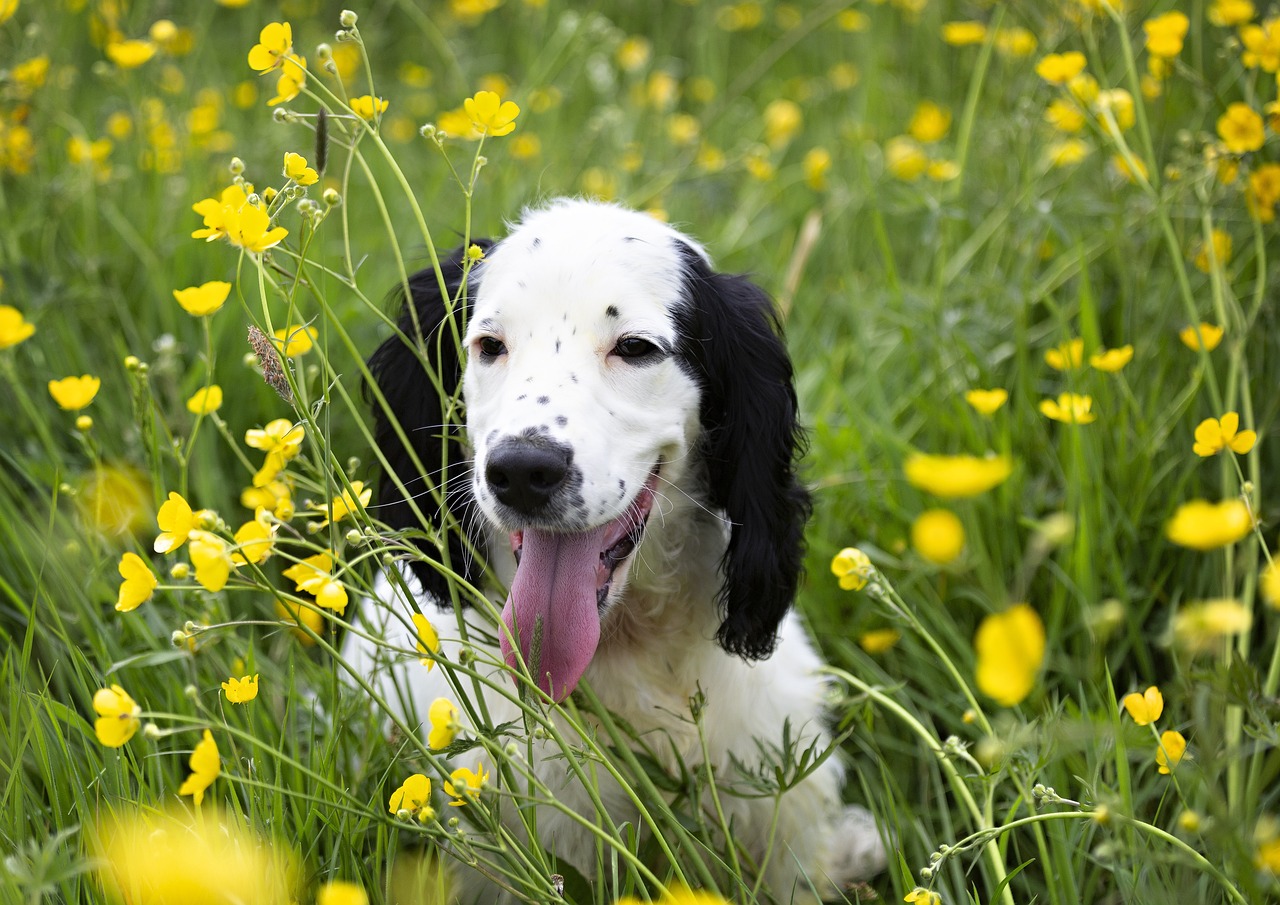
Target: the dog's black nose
(525, 476)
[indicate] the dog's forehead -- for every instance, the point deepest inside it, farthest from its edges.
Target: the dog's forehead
(577, 257)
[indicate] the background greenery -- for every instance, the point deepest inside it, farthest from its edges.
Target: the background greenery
(899, 295)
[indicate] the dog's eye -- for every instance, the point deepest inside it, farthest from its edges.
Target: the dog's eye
(490, 347)
(636, 348)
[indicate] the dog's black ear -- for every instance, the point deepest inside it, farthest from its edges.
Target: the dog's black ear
(426, 332)
(751, 440)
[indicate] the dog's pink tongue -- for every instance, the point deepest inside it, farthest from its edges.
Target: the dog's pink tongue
(552, 608)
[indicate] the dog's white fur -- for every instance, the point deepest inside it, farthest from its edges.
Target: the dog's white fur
(543, 293)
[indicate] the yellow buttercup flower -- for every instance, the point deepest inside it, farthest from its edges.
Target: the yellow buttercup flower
(963, 34)
(466, 785)
(7, 9)
(1145, 708)
(295, 339)
(1069, 408)
(117, 716)
(13, 327)
(428, 640)
(1231, 13)
(301, 616)
(206, 400)
(1261, 45)
(929, 123)
(293, 78)
(275, 44)
(938, 536)
(1165, 34)
(986, 402)
(922, 896)
(370, 108)
(1060, 68)
(904, 158)
(254, 540)
(879, 640)
(1067, 153)
(1064, 115)
(346, 503)
(1207, 334)
(1173, 748)
(1213, 435)
(281, 440)
(490, 115)
(681, 895)
(1016, 42)
(313, 576)
(1241, 129)
(74, 393)
(1201, 627)
(1066, 356)
(211, 557)
(130, 54)
(274, 496)
(205, 765)
(1202, 525)
(953, 477)
(444, 723)
(295, 168)
(1269, 584)
(138, 585)
(203, 299)
(252, 231)
(1111, 360)
(852, 568)
(414, 795)
(241, 691)
(341, 892)
(176, 520)
(782, 120)
(1217, 251)
(1010, 648)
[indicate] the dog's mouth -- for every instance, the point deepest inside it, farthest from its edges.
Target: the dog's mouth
(562, 583)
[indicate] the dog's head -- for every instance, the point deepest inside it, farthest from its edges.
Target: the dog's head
(606, 363)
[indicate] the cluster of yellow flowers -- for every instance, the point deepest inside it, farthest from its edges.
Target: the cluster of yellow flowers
(910, 156)
(1146, 708)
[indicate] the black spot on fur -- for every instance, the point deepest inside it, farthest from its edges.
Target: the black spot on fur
(543, 400)
(561, 420)
(611, 311)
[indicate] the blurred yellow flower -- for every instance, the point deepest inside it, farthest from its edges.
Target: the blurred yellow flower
(954, 477)
(854, 20)
(295, 168)
(852, 568)
(634, 53)
(206, 400)
(204, 299)
(879, 640)
(1010, 648)
(1209, 334)
(1241, 129)
(1213, 435)
(299, 616)
(930, 122)
(241, 691)
(341, 892)
(211, 557)
(1064, 115)
(414, 795)
(313, 576)
(1269, 584)
(275, 44)
(1201, 627)
(1060, 68)
(681, 895)
(962, 34)
(296, 339)
(205, 765)
(525, 146)
(1202, 525)
(1215, 252)
(369, 107)
(817, 161)
(782, 120)
(293, 78)
(682, 129)
(13, 327)
(443, 716)
(1066, 356)
(904, 158)
(130, 54)
(138, 585)
(986, 402)
(938, 536)
(1261, 45)
(1264, 191)
(1067, 153)
(1173, 747)
(176, 520)
(466, 785)
(490, 115)
(117, 716)
(1069, 408)
(74, 393)
(1165, 33)
(115, 499)
(254, 540)
(428, 640)
(1114, 105)
(7, 9)
(1015, 42)
(1111, 360)
(1231, 13)
(922, 896)
(1145, 708)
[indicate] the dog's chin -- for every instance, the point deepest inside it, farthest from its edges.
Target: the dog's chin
(564, 580)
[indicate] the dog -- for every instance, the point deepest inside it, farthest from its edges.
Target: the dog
(629, 474)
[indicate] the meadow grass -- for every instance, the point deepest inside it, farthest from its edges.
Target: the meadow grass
(981, 670)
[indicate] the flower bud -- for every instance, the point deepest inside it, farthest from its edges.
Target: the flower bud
(332, 197)
(180, 571)
(347, 19)
(150, 730)
(178, 638)
(237, 166)
(84, 424)
(131, 362)
(324, 52)
(191, 692)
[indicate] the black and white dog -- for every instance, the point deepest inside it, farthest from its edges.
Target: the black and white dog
(629, 472)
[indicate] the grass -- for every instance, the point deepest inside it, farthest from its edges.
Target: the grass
(900, 295)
